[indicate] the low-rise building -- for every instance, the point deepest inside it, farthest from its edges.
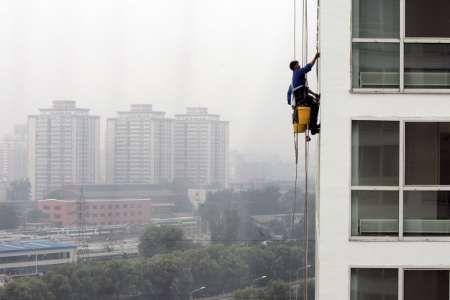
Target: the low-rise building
(34, 256)
(97, 212)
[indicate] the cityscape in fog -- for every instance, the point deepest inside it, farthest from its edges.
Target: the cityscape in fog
(65, 145)
(146, 151)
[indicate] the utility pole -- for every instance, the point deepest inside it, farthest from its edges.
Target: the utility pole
(81, 217)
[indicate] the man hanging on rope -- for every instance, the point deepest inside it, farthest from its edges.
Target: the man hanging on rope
(303, 96)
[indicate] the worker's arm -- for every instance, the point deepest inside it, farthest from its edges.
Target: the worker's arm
(289, 95)
(308, 67)
(316, 57)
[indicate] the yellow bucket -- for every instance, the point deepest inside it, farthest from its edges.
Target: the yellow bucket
(303, 116)
(298, 128)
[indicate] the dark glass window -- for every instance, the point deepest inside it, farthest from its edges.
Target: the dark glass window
(427, 18)
(426, 284)
(427, 153)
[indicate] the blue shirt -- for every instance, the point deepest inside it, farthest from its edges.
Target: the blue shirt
(298, 79)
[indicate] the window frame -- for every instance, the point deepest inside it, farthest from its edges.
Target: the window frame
(402, 40)
(401, 269)
(401, 188)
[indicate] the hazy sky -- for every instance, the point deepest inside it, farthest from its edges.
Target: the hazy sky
(230, 56)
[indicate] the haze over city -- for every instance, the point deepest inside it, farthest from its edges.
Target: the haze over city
(107, 55)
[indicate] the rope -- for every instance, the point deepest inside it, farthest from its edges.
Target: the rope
(294, 204)
(305, 33)
(305, 218)
(294, 208)
(294, 56)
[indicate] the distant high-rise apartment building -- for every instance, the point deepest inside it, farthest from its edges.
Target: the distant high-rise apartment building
(13, 154)
(201, 148)
(139, 146)
(63, 148)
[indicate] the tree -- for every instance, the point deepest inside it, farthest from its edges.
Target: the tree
(277, 290)
(58, 284)
(28, 289)
(162, 239)
(224, 226)
(115, 279)
(249, 294)
(162, 278)
(8, 216)
(171, 276)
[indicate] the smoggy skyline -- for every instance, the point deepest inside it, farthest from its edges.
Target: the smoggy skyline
(107, 55)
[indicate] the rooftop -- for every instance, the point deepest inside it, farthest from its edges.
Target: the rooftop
(96, 200)
(33, 245)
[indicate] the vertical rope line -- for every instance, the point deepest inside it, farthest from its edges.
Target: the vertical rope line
(294, 208)
(318, 46)
(294, 203)
(305, 32)
(305, 218)
(294, 56)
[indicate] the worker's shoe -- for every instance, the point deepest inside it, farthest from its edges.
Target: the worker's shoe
(315, 130)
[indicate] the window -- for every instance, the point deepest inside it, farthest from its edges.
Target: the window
(383, 284)
(427, 65)
(377, 59)
(434, 20)
(375, 153)
(377, 190)
(426, 284)
(376, 65)
(374, 284)
(374, 213)
(426, 213)
(427, 156)
(376, 44)
(376, 19)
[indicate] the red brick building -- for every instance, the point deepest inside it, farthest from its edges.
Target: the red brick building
(97, 212)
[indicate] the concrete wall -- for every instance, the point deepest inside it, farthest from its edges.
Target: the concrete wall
(336, 253)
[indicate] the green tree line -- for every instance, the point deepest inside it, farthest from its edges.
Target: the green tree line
(169, 276)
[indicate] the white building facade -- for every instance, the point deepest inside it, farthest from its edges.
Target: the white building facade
(63, 148)
(201, 148)
(139, 146)
(383, 210)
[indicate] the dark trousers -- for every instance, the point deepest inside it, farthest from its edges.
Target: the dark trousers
(311, 102)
